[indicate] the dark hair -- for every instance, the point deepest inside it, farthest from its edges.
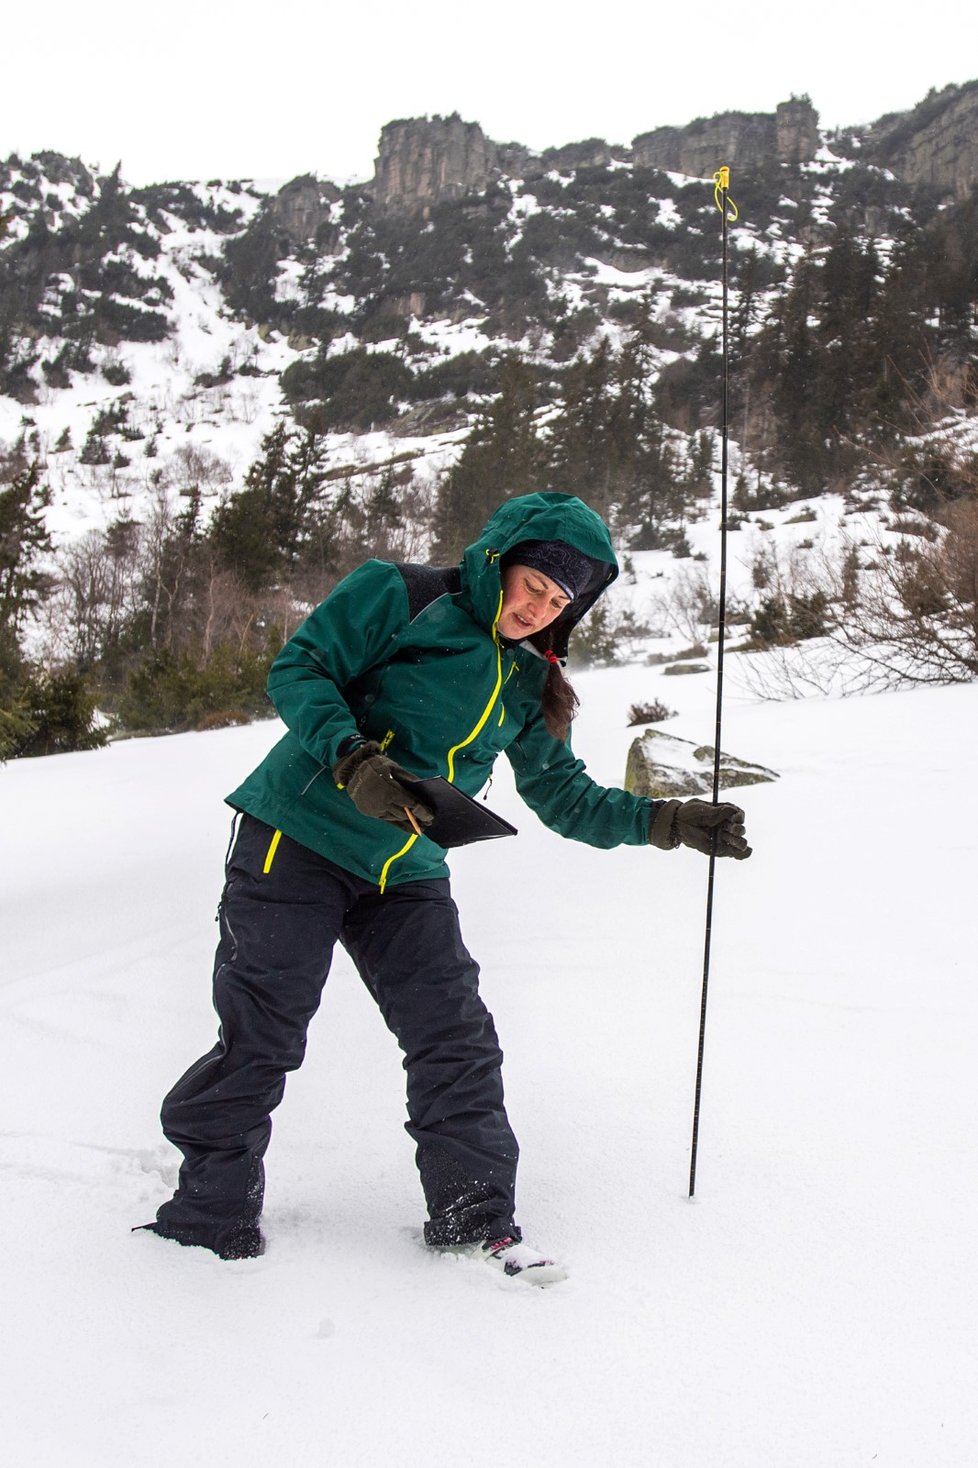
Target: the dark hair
(560, 702)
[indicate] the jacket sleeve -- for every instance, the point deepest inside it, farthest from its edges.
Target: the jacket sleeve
(556, 785)
(354, 628)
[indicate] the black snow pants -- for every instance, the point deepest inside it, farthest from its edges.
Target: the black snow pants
(283, 909)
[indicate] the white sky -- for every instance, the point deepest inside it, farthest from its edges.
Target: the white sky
(209, 88)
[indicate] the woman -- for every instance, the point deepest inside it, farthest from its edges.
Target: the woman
(402, 672)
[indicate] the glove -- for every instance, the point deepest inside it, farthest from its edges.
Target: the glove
(696, 823)
(376, 785)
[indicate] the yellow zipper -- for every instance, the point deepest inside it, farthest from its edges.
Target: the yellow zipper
(270, 853)
(396, 857)
(455, 749)
(488, 708)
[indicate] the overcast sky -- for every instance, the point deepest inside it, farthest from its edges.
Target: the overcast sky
(208, 88)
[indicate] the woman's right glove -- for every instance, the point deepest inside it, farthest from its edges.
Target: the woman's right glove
(377, 787)
(697, 823)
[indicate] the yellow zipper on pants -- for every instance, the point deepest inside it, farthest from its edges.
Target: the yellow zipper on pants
(270, 853)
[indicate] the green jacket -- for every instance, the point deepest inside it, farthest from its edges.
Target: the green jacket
(393, 655)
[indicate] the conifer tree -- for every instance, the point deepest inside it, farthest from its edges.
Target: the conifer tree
(788, 360)
(24, 542)
(504, 456)
(259, 531)
(844, 365)
(581, 457)
(896, 342)
(41, 712)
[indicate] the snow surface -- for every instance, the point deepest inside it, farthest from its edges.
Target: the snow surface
(815, 1306)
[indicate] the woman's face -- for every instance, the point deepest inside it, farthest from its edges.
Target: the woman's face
(531, 601)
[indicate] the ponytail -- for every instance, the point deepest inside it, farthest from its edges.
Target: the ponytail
(559, 701)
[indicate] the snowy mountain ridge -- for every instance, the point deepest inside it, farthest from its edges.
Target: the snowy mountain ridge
(147, 331)
(221, 400)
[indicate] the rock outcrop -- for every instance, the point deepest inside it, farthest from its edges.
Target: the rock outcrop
(663, 767)
(422, 161)
(737, 139)
(796, 136)
(936, 143)
(302, 206)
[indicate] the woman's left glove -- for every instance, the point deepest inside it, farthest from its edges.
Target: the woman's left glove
(696, 823)
(378, 787)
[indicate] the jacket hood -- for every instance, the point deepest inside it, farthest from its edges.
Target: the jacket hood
(543, 516)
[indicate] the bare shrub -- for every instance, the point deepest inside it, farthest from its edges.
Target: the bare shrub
(194, 465)
(690, 604)
(907, 614)
(797, 594)
(819, 669)
(649, 713)
(97, 592)
(917, 617)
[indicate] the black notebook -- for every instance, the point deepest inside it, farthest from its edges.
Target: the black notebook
(458, 818)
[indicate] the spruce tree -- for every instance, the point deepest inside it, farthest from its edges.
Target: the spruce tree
(258, 532)
(897, 342)
(581, 457)
(24, 542)
(504, 456)
(789, 355)
(41, 711)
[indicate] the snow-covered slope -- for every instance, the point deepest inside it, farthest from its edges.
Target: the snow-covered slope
(148, 364)
(815, 1305)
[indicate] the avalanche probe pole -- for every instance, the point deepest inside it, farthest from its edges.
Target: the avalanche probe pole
(728, 211)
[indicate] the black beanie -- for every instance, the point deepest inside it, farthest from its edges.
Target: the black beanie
(569, 568)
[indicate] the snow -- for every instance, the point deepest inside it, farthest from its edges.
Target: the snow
(452, 338)
(610, 275)
(825, 160)
(814, 1305)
